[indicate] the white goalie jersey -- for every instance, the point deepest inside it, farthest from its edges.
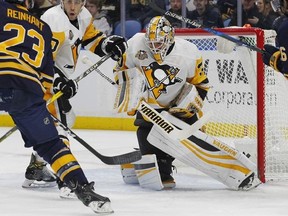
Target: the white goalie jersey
(68, 39)
(166, 79)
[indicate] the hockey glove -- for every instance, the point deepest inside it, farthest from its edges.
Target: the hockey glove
(116, 45)
(131, 91)
(271, 57)
(68, 87)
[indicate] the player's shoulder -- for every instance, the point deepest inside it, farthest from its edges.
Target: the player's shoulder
(85, 18)
(137, 40)
(56, 10)
(56, 18)
(85, 14)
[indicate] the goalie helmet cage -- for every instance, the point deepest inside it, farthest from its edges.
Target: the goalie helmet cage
(247, 98)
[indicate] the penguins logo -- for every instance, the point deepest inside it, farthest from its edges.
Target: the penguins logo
(159, 77)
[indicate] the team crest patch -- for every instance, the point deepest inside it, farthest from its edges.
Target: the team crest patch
(46, 121)
(159, 77)
(141, 55)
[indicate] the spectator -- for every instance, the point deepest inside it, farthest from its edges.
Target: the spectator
(250, 14)
(205, 15)
(264, 7)
(141, 11)
(176, 7)
(227, 8)
(112, 8)
(100, 17)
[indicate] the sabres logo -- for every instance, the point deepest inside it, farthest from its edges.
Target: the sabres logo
(159, 77)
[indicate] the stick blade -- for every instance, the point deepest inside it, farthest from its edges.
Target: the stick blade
(121, 159)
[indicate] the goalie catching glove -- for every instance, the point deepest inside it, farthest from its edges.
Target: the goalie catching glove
(116, 45)
(187, 103)
(68, 86)
(130, 92)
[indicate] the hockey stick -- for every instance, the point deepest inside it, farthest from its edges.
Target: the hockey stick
(110, 160)
(155, 7)
(59, 94)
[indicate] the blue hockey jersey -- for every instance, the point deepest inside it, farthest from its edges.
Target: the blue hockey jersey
(282, 34)
(26, 60)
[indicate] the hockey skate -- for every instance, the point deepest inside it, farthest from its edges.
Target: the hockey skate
(96, 202)
(38, 175)
(165, 169)
(65, 191)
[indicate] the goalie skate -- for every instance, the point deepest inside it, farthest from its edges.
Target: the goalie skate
(249, 183)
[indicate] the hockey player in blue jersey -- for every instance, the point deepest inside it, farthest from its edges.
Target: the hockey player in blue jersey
(26, 73)
(276, 57)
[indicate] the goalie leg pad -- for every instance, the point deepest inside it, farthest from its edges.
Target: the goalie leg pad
(147, 171)
(216, 164)
(128, 174)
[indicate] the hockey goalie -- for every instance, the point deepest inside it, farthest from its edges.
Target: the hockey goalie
(161, 80)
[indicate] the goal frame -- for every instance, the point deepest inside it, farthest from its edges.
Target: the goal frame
(260, 88)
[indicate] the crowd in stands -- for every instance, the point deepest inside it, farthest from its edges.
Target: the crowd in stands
(209, 13)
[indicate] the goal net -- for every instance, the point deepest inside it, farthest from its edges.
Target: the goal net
(247, 98)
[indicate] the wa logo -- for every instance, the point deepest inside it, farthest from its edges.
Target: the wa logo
(229, 71)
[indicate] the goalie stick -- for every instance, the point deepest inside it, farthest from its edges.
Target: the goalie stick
(59, 94)
(155, 7)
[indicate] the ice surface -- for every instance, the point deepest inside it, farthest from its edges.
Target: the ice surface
(194, 195)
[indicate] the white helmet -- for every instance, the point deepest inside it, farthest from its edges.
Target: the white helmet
(159, 37)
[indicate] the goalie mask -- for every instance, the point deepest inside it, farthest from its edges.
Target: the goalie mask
(159, 37)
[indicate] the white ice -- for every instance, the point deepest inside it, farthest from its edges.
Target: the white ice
(194, 195)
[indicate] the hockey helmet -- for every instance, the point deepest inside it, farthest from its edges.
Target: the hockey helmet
(159, 37)
(22, 2)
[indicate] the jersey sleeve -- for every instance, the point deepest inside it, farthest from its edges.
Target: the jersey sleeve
(283, 45)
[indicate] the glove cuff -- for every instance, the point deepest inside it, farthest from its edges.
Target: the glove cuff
(274, 60)
(103, 45)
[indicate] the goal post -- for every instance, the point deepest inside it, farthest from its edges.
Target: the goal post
(247, 98)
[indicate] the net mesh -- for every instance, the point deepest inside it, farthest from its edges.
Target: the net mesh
(233, 99)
